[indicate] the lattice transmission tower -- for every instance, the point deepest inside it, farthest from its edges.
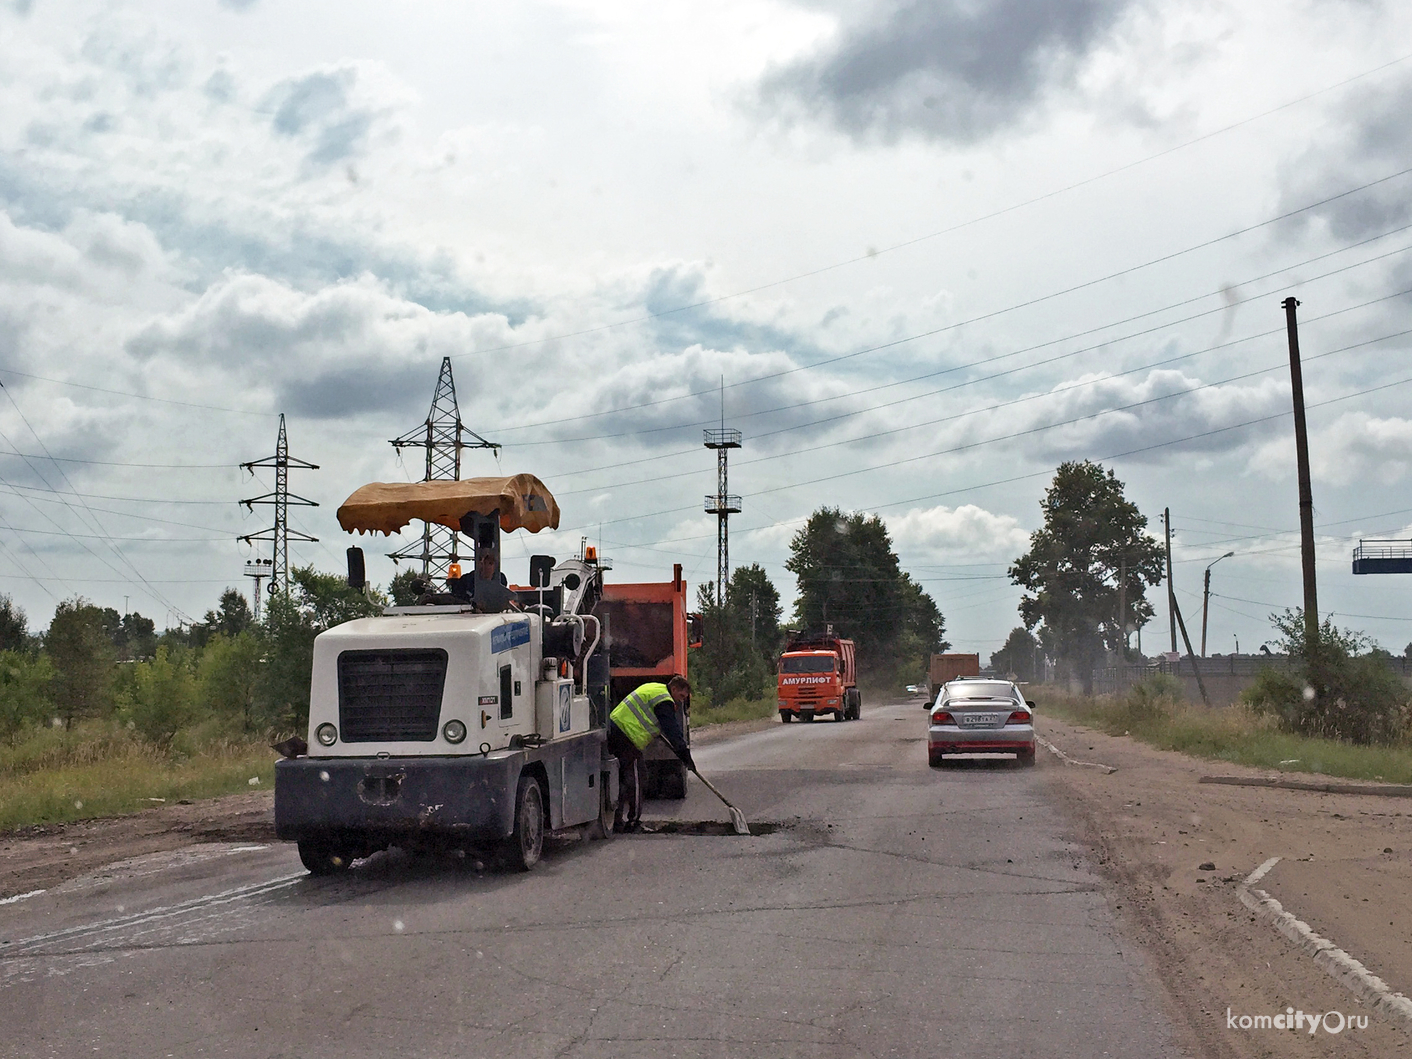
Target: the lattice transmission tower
(724, 504)
(441, 435)
(280, 500)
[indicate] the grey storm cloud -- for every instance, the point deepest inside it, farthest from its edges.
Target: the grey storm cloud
(1373, 139)
(950, 70)
(317, 108)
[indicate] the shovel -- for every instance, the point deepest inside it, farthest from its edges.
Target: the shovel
(737, 817)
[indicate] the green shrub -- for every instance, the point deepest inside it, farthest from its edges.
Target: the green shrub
(1153, 699)
(159, 697)
(25, 686)
(1339, 687)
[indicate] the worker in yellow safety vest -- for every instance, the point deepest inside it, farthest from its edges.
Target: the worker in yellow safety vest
(647, 713)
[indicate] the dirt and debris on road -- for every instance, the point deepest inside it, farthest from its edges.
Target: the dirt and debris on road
(43, 856)
(1177, 849)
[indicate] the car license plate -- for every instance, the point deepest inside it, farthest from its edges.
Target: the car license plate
(979, 720)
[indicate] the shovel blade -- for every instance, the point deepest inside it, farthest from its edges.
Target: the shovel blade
(738, 819)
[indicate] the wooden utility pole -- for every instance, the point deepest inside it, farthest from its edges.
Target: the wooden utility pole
(1306, 494)
(1171, 593)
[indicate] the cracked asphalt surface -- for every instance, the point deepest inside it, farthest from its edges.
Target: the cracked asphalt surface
(897, 911)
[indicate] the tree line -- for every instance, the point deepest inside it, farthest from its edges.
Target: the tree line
(226, 672)
(848, 576)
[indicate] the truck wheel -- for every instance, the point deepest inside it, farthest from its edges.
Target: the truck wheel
(806, 715)
(322, 857)
(786, 716)
(603, 826)
(841, 714)
(525, 845)
(855, 705)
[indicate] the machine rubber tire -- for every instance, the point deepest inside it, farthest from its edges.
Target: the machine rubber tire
(672, 784)
(786, 716)
(841, 714)
(935, 760)
(1026, 759)
(322, 857)
(806, 715)
(603, 826)
(525, 845)
(856, 706)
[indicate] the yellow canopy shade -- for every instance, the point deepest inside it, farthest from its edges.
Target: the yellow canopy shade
(522, 500)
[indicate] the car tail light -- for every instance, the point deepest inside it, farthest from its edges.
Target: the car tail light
(942, 717)
(1019, 717)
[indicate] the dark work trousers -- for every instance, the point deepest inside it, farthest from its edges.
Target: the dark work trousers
(629, 808)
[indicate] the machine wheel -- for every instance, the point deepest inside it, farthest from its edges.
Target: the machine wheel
(525, 845)
(786, 716)
(855, 705)
(322, 857)
(841, 714)
(934, 759)
(806, 715)
(673, 782)
(1026, 758)
(603, 826)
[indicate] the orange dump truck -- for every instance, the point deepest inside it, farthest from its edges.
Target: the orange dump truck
(647, 630)
(819, 674)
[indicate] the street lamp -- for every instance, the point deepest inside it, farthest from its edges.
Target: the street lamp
(1206, 600)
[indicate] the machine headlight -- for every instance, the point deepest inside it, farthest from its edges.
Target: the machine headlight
(326, 734)
(454, 731)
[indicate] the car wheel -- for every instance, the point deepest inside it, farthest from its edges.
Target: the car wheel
(806, 715)
(934, 759)
(322, 857)
(1026, 758)
(525, 845)
(603, 826)
(786, 716)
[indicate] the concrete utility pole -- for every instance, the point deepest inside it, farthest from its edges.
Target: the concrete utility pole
(1206, 600)
(1306, 493)
(1171, 593)
(1123, 605)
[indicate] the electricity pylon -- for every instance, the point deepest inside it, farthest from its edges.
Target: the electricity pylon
(280, 499)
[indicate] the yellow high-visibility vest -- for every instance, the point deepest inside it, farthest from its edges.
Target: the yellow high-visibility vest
(635, 716)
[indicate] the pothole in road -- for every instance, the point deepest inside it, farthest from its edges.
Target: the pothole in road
(708, 827)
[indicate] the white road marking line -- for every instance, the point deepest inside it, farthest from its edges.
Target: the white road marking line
(1363, 982)
(20, 897)
(162, 912)
(1110, 769)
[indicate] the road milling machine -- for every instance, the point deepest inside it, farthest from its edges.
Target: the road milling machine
(475, 718)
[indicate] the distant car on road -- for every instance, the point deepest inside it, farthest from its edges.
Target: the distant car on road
(981, 717)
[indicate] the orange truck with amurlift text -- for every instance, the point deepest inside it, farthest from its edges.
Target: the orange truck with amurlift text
(818, 673)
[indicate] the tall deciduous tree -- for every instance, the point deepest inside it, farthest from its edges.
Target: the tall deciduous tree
(1092, 535)
(850, 578)
(83, 657)
(741, 638)
(1017, 656)
(14, 626)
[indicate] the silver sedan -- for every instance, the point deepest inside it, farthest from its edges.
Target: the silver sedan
(981, 717)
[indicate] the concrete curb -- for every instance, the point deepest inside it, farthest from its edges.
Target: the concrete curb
(1109, 769)
(1361, 981)
(1387, 790)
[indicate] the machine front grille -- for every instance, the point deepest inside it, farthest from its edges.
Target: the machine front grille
(390, 696)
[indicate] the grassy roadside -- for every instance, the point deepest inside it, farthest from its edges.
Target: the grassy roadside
(734, 710)
(1231, 734)
(57, 777)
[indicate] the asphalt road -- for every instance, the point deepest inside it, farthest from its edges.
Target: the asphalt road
(896, 911)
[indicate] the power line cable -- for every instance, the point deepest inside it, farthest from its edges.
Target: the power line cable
(873, 254)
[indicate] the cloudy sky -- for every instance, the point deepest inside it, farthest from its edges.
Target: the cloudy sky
(925, 250)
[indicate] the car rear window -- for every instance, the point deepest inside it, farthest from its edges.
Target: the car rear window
(807, 664)
(980, 689)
